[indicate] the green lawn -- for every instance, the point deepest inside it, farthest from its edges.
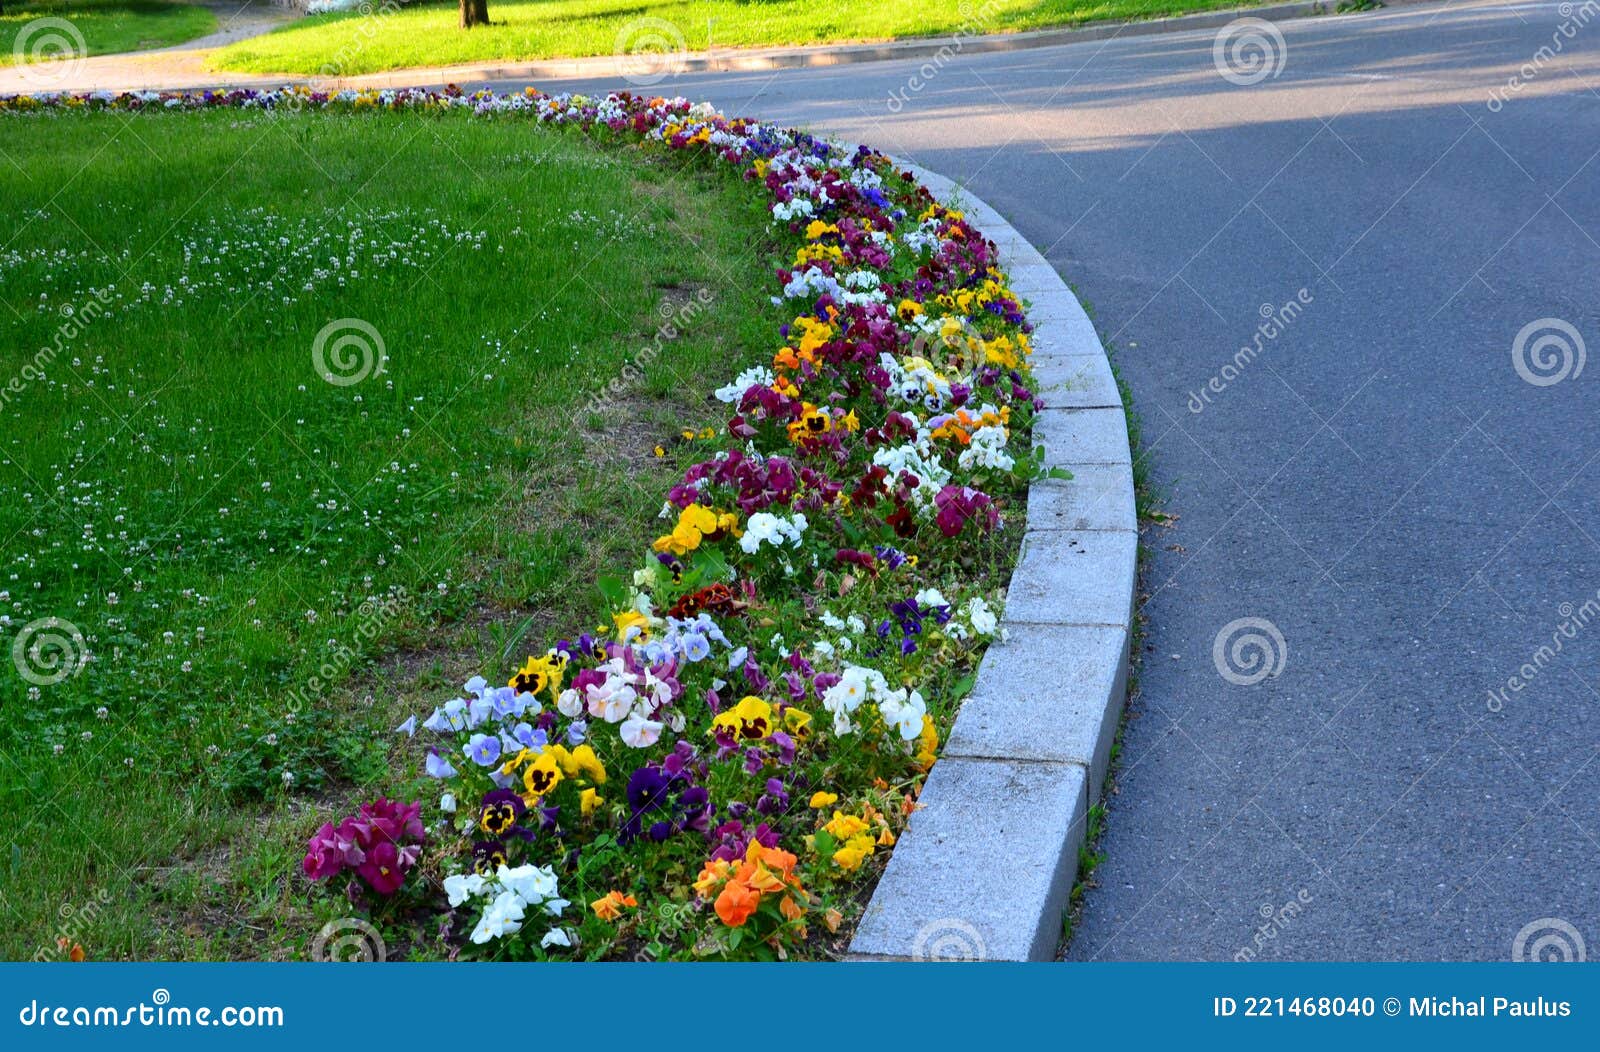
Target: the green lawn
(105, 26)
(268, 568)
(426, 34)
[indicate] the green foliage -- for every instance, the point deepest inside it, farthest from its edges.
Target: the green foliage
(256, 558)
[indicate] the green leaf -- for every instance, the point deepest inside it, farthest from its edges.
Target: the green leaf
(614, 592)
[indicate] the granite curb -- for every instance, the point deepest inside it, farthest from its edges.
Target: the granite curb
(987, 862)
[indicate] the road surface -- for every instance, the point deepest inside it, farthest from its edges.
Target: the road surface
(1378, 474)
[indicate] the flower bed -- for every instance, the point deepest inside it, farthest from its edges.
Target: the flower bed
(721, 765)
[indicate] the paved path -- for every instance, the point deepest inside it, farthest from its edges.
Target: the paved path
(179, 66)
(1379, 482)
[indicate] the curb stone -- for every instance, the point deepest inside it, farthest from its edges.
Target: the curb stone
(987, 862)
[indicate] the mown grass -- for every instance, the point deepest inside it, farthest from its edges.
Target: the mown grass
(106, 26)
(426, 34)
(269, 570)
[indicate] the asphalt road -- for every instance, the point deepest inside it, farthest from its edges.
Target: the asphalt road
(1377, 480)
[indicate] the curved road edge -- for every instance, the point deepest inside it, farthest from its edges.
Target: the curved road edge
(986, 866)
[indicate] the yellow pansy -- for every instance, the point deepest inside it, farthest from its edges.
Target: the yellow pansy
(798, 721)
(854, 852)
(629, 620)
(843, 826)
(543, 775)
(751, 719)
(582, 762)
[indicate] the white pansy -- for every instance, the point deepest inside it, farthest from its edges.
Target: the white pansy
(756, 376)
(903, 710)
(533, 884)
(980, 617)
(639, 732)
(503, 917)
(462, 886)
(766, 528)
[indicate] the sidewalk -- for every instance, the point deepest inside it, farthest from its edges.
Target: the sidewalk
(179, 66)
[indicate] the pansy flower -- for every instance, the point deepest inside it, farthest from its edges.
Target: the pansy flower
(501, 810)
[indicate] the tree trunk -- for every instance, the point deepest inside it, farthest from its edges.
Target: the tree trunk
(474, 13)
